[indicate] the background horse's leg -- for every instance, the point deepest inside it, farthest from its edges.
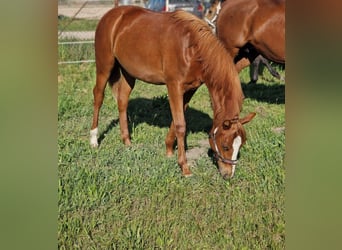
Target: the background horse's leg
(241, 64)
(245, 56)
(254, 69)
(121, 91)
(171, 135)
(177, 110)
(269, 67)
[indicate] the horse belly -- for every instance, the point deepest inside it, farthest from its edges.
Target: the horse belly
(143, 66)
(269, 38)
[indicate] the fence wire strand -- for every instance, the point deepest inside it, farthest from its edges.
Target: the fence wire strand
(77, 40)
(76, 46)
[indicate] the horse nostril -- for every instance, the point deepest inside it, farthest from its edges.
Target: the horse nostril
(226, 176)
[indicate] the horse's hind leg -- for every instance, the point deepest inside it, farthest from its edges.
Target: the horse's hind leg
(121, 92)
(103, 72)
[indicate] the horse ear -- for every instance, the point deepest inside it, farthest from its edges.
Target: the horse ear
(247, 118)
(226, 124)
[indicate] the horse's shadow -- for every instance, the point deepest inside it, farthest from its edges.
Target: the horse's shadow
(273, 94)
(156, 112)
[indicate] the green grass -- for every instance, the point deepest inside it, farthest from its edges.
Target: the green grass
(69, 24)
(118, 197)
(76, 52)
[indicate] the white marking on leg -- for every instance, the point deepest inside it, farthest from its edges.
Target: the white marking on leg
(93, 137)
(236, 147)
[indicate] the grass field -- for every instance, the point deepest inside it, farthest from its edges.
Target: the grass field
(69, 24)
(118, 197)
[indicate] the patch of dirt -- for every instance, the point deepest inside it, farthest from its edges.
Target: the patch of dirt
(261, 111)
(278, 130)
(194, 153)
(60, 79)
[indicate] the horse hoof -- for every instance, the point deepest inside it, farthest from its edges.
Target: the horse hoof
(186, 172)
(169, 154)
(127, 142)
(94, 145)
(187, 175)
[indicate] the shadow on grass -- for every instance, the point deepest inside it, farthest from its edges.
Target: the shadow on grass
(274, 94)
(156, 112)
(109, 127)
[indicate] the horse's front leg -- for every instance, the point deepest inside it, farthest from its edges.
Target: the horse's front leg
(170, 140)
(171, 135)
(179, 126)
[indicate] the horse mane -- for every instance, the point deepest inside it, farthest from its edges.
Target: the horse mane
(218, 68)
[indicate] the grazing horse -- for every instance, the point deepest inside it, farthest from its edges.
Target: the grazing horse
(182, 53)
(251, 30)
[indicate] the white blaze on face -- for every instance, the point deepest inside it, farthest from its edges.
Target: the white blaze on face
(236, 147)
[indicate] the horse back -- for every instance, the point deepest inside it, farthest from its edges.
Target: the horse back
(137, 36)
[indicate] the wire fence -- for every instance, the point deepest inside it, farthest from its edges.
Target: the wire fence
(77, 20)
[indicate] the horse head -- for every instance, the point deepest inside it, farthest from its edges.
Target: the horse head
(226, 140)
(211, 14)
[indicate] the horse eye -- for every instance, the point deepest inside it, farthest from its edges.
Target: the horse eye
(210, 11)
(225, 148)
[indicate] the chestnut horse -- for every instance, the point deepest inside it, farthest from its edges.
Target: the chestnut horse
(249, 28)
(182, 53)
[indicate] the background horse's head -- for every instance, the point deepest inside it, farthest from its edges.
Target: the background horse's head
(226, 140)
(211, 14)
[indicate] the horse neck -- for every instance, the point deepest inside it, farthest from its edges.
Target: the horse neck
(218, 69)
(226, 99)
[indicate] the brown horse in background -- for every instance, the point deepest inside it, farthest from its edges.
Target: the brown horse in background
(249, 28)
(182, 53)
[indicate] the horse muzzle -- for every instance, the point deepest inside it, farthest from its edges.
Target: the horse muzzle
(226, 170)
